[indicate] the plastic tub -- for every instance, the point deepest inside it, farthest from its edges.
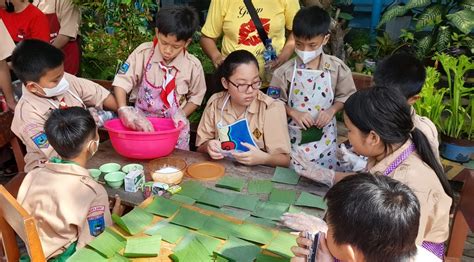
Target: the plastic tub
(144, 145)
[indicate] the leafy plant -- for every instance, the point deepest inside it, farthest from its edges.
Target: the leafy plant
(454, 117)
(359, 55)
(431, 103)
(441, 18)
(110, 31)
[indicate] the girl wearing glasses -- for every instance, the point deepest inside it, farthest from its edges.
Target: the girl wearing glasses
(241, 122)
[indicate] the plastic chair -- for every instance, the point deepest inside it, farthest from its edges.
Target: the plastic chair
(15, 219)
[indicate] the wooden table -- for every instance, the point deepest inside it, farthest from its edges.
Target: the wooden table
(107, 154)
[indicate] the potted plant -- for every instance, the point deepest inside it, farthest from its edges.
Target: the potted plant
(359, 56)
(450, 108)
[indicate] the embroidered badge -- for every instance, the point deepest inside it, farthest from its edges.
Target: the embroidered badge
(124, 68)
(256, 133)
(41, 140)
(96, 225)
(327, 66)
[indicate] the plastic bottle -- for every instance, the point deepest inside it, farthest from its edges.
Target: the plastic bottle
(269, 55)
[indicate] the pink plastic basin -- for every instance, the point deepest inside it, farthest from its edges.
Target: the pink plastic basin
(144, 145)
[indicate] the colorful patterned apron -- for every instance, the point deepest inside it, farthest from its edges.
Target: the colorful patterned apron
(72, 51)
(231, 136)
(436, 248)
(311, 92)
(160, 101)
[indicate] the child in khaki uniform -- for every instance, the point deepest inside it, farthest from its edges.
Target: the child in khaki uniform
(69, 206)
(315, 86)
(242, 122)
(407, 74)
(39, 66)
(163, 78)
(64, 22)
(6, 49)
(380, 127)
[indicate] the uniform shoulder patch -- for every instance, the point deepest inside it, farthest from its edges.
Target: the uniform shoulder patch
(124, 68)
(41, 140)
(95, 219)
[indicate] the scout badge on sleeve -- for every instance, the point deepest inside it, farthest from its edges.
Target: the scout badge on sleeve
(41, 140)
(96, 220)
(124, 68)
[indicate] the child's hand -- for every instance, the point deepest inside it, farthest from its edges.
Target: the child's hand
(134, 119)
(303, 222)
(117, 205)
(324, 117)
(217, 61)
(214, 149)
(254, 156)
(303, 119)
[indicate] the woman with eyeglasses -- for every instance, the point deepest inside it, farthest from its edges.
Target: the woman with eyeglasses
(241, 122)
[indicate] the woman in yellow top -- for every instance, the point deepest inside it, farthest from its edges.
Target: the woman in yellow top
(231, 20)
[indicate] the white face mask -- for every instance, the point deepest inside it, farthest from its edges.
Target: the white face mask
(60, 89)
(308, 56)
(96, 142)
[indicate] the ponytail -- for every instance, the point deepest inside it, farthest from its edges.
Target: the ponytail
(386, 112)
(426, 154)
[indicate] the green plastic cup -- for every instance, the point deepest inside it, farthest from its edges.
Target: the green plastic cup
(95, 173)
(131, 167)
(115, 179)
(109, 168)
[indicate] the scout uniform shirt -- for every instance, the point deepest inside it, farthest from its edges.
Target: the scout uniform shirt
(190, 82)
(67, 204)
(231, 19)
(428, 128)
(68, 15)
(64, 19)
(266, 118)
(32, 112)
(341, 77)
(435, 204)
(7, 46)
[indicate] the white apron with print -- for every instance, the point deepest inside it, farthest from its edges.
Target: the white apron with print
(311, 92)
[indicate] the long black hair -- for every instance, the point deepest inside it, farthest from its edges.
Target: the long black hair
(386, 112)
(230, 63)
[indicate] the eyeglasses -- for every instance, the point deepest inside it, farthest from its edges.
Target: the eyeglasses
(244, 87)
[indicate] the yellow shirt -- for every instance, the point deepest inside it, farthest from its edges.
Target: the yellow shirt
(67, 204)
(231, 19)
(434, 202)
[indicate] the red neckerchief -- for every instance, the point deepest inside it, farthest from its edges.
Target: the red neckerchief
(170, 86)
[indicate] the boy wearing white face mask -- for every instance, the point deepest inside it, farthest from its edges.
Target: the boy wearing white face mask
(39, 66)
(315, 86)
(70, 207)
